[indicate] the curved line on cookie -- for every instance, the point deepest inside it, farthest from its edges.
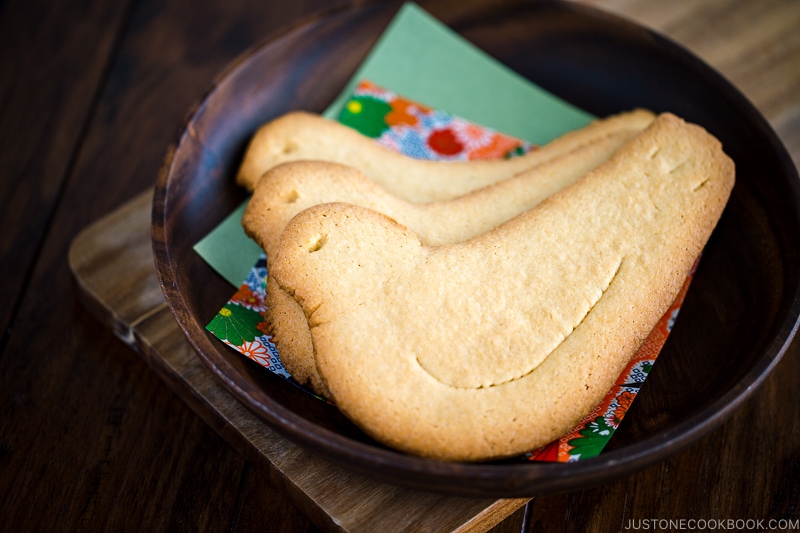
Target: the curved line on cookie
(562, 341)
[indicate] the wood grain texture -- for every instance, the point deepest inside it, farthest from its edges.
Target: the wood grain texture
(756, 46)
(87, 437)
(112, 264)
(620, 66)
(92, 439)
(53, 59)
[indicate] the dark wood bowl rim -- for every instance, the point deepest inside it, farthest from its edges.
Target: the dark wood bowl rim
(495, 480)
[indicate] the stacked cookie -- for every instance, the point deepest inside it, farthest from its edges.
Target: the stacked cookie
(471, 311)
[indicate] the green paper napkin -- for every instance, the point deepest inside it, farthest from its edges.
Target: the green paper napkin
(424, 60)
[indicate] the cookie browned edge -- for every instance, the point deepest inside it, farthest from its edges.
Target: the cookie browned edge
(291, 187)
(301, 136)
(412, 432)
(289, 332)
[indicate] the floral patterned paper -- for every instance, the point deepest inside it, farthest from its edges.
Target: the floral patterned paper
(421, 132)
(241, 324)
(589, 437)
(418, 131)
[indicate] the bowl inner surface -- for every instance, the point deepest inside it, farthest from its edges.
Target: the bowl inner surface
(738, 317)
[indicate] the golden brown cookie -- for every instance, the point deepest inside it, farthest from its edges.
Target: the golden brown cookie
(302, 136)
(291, 187)
(500, 344)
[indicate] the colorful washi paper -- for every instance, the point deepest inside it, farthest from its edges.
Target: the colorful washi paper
(420, 132)
(416, 130)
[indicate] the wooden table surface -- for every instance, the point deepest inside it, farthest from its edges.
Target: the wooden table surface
(91, 439)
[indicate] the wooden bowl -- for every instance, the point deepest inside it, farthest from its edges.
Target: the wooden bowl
(739, 316)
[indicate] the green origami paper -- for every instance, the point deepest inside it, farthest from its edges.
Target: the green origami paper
(424, 60)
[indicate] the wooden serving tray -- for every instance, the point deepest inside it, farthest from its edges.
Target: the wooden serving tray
(112, 264)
